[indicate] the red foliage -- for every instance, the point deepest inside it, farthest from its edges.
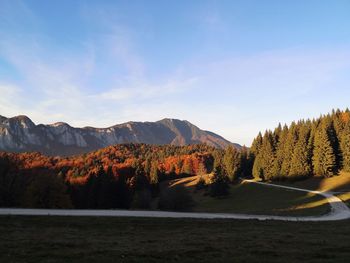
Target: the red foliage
(119, 159)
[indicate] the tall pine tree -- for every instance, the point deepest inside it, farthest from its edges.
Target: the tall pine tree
(288, 150)
(323, 156)
(301, 160)
(279, 156)
(345, 147)
(264, 160)
(231, 163)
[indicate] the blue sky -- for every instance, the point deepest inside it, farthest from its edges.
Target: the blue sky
(232, 67)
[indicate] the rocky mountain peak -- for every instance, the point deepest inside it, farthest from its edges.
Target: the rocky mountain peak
(21, 134)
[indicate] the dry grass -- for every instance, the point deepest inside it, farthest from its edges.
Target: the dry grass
(345, 197)
(338, 183)
(187, 181)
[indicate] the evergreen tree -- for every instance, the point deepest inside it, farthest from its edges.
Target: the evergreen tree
(265, 159)
(323, 156)
(219, 183)
(246, 163)
(288, 150)
(328, 125)
(258, 171)
(256, 145)
(276, 135)
(218, 158)
(231, 163)
(301, 164)
(319, 147)
(345, 147)
(280, 155)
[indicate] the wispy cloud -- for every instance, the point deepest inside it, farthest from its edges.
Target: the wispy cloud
(270, 87)
(80, 89)
(147, 91)
(106, 80)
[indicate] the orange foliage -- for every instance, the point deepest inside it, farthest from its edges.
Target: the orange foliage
(345, 117)
(119, 159)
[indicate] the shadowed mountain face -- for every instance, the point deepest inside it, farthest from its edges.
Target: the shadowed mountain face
(20, 134)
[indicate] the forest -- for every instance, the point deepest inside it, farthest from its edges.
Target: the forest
(130, 175)
(318, 147)
(120, 176)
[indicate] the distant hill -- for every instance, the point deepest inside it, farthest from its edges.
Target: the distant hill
(20, 134)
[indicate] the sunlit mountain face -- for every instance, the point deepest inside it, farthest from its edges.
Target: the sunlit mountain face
(20, 134)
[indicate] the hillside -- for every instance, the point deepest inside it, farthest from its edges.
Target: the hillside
(248, 198)
(107, 178)
(20, 134)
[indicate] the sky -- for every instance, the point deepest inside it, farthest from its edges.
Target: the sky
(232, 67)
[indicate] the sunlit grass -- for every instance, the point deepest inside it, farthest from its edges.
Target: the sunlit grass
(345, 197)
(337, 183)
(308, 205)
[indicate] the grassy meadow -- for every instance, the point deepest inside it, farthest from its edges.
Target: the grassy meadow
(249, 198)
(102, 239)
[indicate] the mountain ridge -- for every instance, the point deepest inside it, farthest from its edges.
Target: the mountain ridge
(21, 134)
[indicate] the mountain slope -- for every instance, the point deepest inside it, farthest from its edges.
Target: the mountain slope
(20, 134)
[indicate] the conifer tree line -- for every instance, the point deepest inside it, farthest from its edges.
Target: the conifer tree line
(318, 147)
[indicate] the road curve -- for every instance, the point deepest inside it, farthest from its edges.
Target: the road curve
(339, 211)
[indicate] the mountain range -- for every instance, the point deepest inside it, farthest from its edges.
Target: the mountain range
(20, 134)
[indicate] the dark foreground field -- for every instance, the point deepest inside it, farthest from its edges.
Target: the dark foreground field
(93, 239)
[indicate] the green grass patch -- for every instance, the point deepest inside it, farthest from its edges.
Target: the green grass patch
(252, 198)
(103, 239)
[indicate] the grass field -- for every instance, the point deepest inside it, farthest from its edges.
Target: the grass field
(339, 184)
(85, 239)
(251, 198)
